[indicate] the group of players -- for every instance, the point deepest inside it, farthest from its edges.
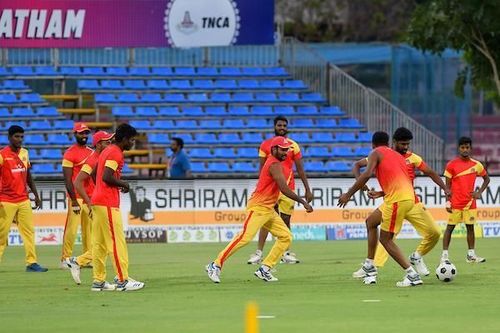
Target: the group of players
(93, 183)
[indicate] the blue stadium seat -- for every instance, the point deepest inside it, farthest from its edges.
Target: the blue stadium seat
(261, 110)
(39, 125)
(164, 124)
(126, 170)
(8, 99)
(254, 138)
(207, 71)
(44, 169)
(192, 111)
(203, 84)
(128, 98)
(186, 124)
(23, 124)
(284, 110)
(35, 154)
(244, 167)
(210, 124)
(174, 98)
(31, 98)
(59, 139)
(116, 71)
(312, 98)
(4, 113)
(180, 84)
(270, 84)
(238, 110)
(63, 125)
(349, 123)
(162, 71)
(302, 123)
(141, 124)
(71, 71)
(88, 84)
(157, 84)
(243, 97)
(289, 97)
(198, 98)
(230, 71)
(252, 71)
(345, 137)
(307, 110)
(139, 71)
(205, 138)
(4, 71)
(248, 84)
(220, 97)
(233, 123)
(34, 139)
(342, 152)
(326, 123)
(185, 71)
(301, 137)
(134, 84)
(45, 71)
(275, 71)
(146, 111)
(122, 111)
(169, 111)
(362, 151)
(225, 84)
(51, 154)
(201, 153)
(224, 153)
(365, 137)
(22, 71)
(151, 98)
(23, 112)
(266, 97)
(331, 111)
(4, 140)
(338, 166)
(93, 71)
(251, 153)
(317, 152)
(14, 84)
(111, 84)
(257, 123)
(215, 111)
(294, 84)
(314, 166)
(219, 167)
(105, 98)
(184, 136)
(322, 137)
(229, 138)
(158, 138)
(198, 167)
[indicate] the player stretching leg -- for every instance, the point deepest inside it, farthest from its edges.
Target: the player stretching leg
(285, 205)
(399, 199)
(461, 174)
(261, 214)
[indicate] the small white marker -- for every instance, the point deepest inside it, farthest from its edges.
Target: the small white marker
(266, 317)
(371, 301)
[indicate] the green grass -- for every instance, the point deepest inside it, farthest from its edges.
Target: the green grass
(317, 295)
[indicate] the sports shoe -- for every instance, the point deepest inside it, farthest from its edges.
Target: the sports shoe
(265, 274)
(363, 271)
(289, 258)
(63, 264)
(255, 258)
(410, 281)
(129, 285)
(74, 269)
(370, 276)
(117, 281)
(213, 272)
(35, 268)
(474, 259)
(419, 265)
(103, 286)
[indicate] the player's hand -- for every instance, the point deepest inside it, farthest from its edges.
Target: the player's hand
(476, 195)
(343, 200)
(366, 188)
(308, 207)
(125, 188)
(89, 208)
(375, 194)
(448, 194)
(309, 196)
(75, 207)
(38, 203)
(448, 207)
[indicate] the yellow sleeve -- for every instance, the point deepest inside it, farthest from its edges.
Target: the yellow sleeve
(112, 164)
(67, 164)
(87, 169)
(480, 169)
(1, 160)
(447, 174)
(261, 153)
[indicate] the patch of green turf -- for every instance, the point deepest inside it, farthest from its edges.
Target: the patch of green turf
(317, 295)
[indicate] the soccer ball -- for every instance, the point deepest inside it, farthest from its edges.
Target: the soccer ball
(446, 271)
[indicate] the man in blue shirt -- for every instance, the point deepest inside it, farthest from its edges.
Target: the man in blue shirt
(179, 165)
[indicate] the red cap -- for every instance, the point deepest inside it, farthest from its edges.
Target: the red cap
(100, 136)
(281, 142)
(80, 127)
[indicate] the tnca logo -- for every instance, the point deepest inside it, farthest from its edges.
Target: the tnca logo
(201, 23)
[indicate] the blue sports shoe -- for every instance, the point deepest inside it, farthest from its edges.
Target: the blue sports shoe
(35, 268)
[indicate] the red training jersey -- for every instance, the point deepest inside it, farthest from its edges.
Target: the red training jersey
(104, 194)
(293, 155)
(91, 163)
(75, 157)
(463, 174)
(414, 161)
(267, 191)
(14, 167)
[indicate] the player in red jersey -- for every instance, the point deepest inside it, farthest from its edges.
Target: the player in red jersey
(399, 199)
(285, 205)
(100, 141)
(461, 174)
(261, 214)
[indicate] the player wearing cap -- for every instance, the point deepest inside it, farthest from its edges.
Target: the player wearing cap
(100, 140)
(261, 214)
(78, 214)
(15, 178)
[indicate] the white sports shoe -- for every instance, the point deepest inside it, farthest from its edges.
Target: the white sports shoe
(213, 272)
(475, 259)
(129, 285)
(410, 281)
(74, 269)
(289, 258)
(104, 286)
(265, 274)
(63, 264)
(364, 271)
(255, 258)
(419, 265)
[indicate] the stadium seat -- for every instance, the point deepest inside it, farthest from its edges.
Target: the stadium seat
(330, 110)
(230, 71)
(134, 85)
(317, 152)
(314, 166)
(164, 125)
(210, 124)
(180, 84)
(110, 84)
(289, 97)
(224, 153)
(88, 84)
(225, 84)
(116, 71)
(30, 98)
(146, 111)
(215, 111)
(206, 138)
(34, 154)
(34, 139)
(122, 111)
(305, 110)
(349, 123)
(184, 136)
(126, 169)
(284, 110)
(338, 166)
(253, 138)
(345, 137)
(233, 123)
(154, 138)
(342, 152)
(252, 71)
(201, 153)
(266, 97)
(198, 167)
(14, 85)
(59, 139)
(4, 71)
(238, 110)
(139, 71)
(203, 84)
(93, 71)
(365, 137)
(322, 137)
(275, 71)
(257, 123)
(44, 169)
(248, 84)
(198, 98)
(8, 99)
(207, 71)
(312, 98)
(270, 84)
(157, 84)
(22, 71)
(4, 140)
(302, 123)
(22, 112)
(23, 124)
(63, 125)
(45, 71)
(51, 154)
(294, 84)
(169, 111)
(229, 138)
(326, 123)
(162, 71)
(186, 124)
(39, 125)
(362, 151)
(301, 137)
(174, 98)
(4, 113)
(104, 98)
(128, 98)
(151, 98)
(251, 153)
(219, 167)
(242, 97)
(220, 98)
(141, 124)
(71, 71)
(261, 110)
(244, 167)
(185, 71)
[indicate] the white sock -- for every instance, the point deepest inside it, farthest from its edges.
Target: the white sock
(410, 271)
(444, 254)
(368, 262)
(266, 268)
(471, 253)
(259, 253)
(416, 255)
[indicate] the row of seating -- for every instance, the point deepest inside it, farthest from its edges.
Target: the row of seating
(244, 97)
(222, 111)
(54, 139)
(72, 71)
(95, 85)
(13, 85)
(247, 167)
(240, 124)
(28, 112)
(55, 169)
(12, 98)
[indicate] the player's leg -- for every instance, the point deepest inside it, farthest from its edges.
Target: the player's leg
(368, 270)
(455, 217)
(286, 208)
(256, 257)
(101, 246)
(70, 230)
(86, 227)
(27, 232)
(470, 217)
(7, 212)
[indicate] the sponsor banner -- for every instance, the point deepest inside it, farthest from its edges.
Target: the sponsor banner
(336, 232)
(309, 232)
(146, 235)
(408, 232)
(460, 230)
(132, 23)
(49, 236)
(222, 202)
(227, 233)
(192, 234)
(14, 238)
(491, 230)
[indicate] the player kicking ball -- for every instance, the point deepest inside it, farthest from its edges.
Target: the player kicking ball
(261, 214)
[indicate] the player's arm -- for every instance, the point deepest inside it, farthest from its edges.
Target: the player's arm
(109, 178)
(435, 178)
(79, 187)
(262, 157)
(448, 185)
(299, 164)
(356, 170)
(484, 186)
(32, 186)
(276, 172)
(363, 178)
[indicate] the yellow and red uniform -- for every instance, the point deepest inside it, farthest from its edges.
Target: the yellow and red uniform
(74, 158)
(14, 200)
(261, 214)
(463, 174)
(285, 204)
(108, 235)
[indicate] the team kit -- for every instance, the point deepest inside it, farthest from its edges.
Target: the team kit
(93, 183)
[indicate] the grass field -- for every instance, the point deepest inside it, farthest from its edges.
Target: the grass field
(317, 295)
